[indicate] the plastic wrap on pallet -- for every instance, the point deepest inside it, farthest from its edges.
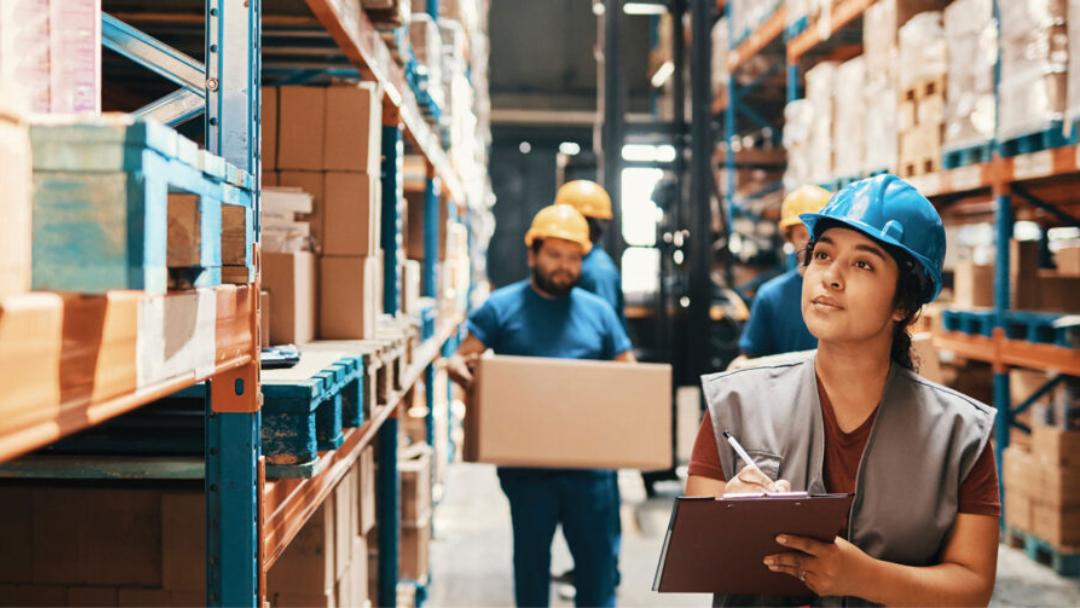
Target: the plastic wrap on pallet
(388, 13)
(971, 34)
(1034, 60)
(75, 56)
(1073, 114)
(820, 84)
(923, 52)
(798, 121)
(24, 51)
(880, 136)
(796, 10)
(879, 41)
(848, 122)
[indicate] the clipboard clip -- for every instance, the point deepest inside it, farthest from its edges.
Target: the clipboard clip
(749, 495)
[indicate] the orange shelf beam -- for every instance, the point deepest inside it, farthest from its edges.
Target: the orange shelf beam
(842, 15)
(769, 30)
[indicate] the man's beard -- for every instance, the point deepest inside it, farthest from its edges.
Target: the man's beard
(550, 288)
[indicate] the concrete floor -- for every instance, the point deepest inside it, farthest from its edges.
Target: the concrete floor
(471, 555)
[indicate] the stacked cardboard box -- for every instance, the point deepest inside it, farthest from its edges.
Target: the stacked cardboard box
(427, 47)
(921, 110)
(1073, 94)
(416, 510)
(328, 143)
(51, 51)
(17, 177)
(1034, 288)
(121, 547)
(1068, 261)
(798, 125)
(1034, 66)
(820, 89)
(1042, 487)
(971, 34)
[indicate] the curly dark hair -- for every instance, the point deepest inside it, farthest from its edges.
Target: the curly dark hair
(913, 289)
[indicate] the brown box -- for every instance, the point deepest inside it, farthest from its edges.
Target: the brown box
(1060, 527)
(283, 599)
(415, 551)
(183, 541)
(144, 598)
(1061, 485)
(348, 303)
(1019, 471)
(307, 565)
(351, 214)
(926, 357)
(1068, 261)
(531, 411)
(184, 231)
(93, 596)
(264, 317)
(311, 182)
(1023, 258)
(345, 522)
(301, 128)
(416, 488)
(271, 178)
(1018, 510)
(269, 129)
(1057, 293)
(973, 286)
(353, 128)
(358, 570)
(291, 280)
(16, 175)
(1056, 447)
(366, 492)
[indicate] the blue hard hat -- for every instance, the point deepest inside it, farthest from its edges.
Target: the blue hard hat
(892, 212)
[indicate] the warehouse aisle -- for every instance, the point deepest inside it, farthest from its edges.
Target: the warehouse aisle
(471, 553)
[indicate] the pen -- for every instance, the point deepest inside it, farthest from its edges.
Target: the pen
(742, 453)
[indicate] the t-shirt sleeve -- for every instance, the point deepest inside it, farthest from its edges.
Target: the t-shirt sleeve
(979, 492)
(484, 324)
(616, 340)
(755, 337)
(705, 457)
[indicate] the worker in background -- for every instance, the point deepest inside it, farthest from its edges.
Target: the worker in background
(854, 417)
(776, 325)
(599, 275)
(546, 316)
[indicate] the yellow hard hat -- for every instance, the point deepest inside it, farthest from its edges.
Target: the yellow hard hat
(589, 198)
(804, 199)
(560, 222)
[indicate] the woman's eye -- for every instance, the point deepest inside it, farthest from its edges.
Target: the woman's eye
(821, 255)
(864, 265)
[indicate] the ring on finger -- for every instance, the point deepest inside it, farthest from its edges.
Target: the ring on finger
(802, 575)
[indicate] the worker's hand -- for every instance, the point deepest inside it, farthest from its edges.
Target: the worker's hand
(738, 363)
(752, 480)
(838, 568)
(461, 369)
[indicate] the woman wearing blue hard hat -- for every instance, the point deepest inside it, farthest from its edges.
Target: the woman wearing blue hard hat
(854, 417)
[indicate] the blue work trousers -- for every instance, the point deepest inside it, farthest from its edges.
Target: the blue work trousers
(584, 502)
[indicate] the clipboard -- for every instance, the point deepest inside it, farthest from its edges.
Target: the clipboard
(716, 545)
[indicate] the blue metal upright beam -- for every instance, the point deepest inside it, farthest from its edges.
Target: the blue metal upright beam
(1003, 223)
(387, 492)
(429, 274)
(232, 449)
(153, 54)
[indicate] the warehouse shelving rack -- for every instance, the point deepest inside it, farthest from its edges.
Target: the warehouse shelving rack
(250, 519)
(1043, 180)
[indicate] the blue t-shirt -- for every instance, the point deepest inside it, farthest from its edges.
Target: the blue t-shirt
(516, 320)
(599, 275)
(776, 323)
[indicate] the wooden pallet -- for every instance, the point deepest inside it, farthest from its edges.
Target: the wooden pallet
(1065, 561)
(919, 166)
(1053, 136)
(968, 155)
(102, 209)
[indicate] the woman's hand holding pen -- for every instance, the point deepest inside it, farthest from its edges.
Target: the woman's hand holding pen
(751, 480)
(828, 569)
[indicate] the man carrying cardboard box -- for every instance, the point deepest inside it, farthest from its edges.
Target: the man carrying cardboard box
(547, 317)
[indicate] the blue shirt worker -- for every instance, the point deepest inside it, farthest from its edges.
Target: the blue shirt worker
(776, 323)
(546, 316)
(599, 274)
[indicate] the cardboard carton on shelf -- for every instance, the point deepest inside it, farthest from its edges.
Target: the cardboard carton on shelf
(415, 470)
(538, 412)
(17, 177)
(291, 280)
(973, 285)
(301, 128)
(1068, 261)
(269, 129)
(348, 302)
(351, 214)
(310, 182)
(415, 550)
(353, 140)
(366, 492)
(307, 567)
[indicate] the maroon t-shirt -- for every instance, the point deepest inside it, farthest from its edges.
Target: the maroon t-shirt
(843, 451)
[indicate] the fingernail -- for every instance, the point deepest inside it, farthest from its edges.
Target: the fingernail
(781, 539)
(768, 561)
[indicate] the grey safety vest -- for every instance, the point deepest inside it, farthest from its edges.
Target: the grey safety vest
(923, 443)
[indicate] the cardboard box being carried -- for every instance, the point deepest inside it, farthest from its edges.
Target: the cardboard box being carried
(538, 412)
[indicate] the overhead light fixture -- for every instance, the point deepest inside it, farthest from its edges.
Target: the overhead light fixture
(598, 7)
(645, 8)
(663, 74)
(525, 147)
(570, 148)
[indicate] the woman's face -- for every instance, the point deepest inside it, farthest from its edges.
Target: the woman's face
(849, 288)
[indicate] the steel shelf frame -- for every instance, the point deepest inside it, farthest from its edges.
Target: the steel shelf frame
(1004, 178)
